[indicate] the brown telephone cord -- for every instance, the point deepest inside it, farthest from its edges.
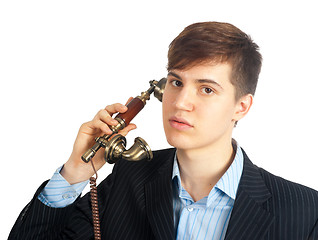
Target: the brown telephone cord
(94, 202)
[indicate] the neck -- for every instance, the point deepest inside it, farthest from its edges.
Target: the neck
(201, 169)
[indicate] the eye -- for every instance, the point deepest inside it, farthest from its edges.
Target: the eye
(207, 90)
(176, 83)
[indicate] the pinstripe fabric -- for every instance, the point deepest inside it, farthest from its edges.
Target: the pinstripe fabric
(135, 202)
(207, 218)
(270, 207)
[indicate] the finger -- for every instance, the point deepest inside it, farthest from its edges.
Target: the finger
(95, 127)
(105, 117)
(116, 107)
(103, 127)
(129, 99)
(127, 129)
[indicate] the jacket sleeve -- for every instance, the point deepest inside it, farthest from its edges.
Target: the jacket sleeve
(38, 221)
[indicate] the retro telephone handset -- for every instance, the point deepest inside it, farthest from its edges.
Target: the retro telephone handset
(115, 144)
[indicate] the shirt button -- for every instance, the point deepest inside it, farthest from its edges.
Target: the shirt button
(65, 196)
(190, 209)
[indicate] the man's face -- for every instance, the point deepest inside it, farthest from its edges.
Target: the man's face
(199, 107)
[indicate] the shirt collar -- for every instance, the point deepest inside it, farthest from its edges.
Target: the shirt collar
(176, 174)
(228, 183)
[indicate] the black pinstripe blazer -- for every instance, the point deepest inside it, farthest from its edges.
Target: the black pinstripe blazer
(135, 202)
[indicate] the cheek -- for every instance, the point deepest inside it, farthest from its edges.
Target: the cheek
(216, 114)
(166, 103)
(165, 109)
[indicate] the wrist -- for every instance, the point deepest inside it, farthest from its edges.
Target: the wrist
(76, 172)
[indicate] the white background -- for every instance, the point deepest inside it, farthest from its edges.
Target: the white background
(62, 61)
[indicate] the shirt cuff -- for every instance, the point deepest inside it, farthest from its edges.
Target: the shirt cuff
(58, 193)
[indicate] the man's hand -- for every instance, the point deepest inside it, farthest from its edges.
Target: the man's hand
(75, 169)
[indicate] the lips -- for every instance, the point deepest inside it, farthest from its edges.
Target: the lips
(179, 123)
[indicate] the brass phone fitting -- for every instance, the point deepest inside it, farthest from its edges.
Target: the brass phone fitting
(115, 150)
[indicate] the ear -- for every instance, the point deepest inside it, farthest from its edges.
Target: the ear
(243, 106)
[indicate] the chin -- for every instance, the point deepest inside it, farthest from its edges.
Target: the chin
(179, 142)
(177, 139)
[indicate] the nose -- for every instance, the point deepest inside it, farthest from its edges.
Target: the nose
(184, 100)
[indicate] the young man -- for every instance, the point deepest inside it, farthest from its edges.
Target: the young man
(203, 188)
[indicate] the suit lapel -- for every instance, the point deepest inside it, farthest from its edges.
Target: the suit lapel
(249, 220)
(158, 194)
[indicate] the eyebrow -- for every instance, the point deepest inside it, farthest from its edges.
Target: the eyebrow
(210, 81)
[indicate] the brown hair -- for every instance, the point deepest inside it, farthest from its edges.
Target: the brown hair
(218, 43)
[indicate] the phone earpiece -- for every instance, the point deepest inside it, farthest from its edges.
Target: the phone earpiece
(159, 88)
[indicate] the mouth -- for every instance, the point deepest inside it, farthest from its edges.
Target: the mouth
(179, 123)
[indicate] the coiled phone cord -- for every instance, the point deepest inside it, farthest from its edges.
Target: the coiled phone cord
(94, 203)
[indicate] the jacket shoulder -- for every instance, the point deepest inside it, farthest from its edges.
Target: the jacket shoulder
(282, 188)
(289, 196)
(279, 184)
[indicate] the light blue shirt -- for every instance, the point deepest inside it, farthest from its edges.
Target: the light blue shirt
(59, 193)
(209, 217)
